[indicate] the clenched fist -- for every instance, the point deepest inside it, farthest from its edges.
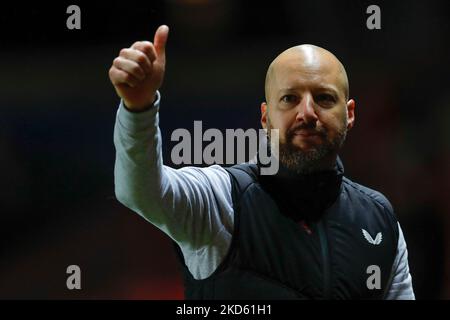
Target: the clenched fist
(138, 72)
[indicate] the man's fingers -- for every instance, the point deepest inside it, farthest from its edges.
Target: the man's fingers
(147, 48)
(120, 77)
(143, 61)
(139, 57)
(160, 41)
(130, 67)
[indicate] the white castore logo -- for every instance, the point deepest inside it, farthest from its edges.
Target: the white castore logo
(369, 238)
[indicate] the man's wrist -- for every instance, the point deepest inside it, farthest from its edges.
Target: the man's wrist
(144, 109)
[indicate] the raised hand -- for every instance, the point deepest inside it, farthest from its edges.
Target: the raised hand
(138, 72)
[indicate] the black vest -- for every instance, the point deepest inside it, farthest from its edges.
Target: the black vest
(325, 253)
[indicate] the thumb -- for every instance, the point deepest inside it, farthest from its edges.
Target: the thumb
(160, 41)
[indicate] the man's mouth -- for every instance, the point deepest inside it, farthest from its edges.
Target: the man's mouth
(306, 133)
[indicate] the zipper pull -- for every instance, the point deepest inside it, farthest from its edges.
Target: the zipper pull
(305, 227)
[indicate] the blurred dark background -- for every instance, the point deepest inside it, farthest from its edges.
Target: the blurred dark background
(57, 113)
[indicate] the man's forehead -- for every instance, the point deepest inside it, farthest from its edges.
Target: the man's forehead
(307, 63)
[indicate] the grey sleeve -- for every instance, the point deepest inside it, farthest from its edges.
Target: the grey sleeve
(193, 206)
(400, 287)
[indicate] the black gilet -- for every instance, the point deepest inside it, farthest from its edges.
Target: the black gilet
(318, 236)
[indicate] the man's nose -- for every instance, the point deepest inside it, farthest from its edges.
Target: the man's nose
(305, 111)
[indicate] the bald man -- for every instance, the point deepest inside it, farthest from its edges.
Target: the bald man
(307, 100)
(306, 232)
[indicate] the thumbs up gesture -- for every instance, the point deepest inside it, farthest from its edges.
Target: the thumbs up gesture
(138, 72)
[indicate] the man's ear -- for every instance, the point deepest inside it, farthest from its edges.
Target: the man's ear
(351, 113)
(264, 115)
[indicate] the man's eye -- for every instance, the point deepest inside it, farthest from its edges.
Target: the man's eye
(325, 98)
(289, 98)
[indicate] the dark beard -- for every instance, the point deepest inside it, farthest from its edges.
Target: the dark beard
(305, 162)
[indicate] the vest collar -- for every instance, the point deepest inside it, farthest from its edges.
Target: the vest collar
(304, 197)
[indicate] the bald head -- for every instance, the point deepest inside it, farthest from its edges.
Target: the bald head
(306, 62)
